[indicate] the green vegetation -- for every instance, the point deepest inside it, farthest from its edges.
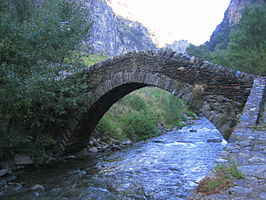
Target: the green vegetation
(85, 58)
(39, 44)
(246, 47)
(35, 40)
(223, 179)
(260, 127)
(138, 115)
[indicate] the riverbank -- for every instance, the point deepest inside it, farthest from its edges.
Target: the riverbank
(11, 170)
(160, 168)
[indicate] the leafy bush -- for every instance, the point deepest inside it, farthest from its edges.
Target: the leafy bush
(140, 125)
(137, 115)
(35, 96)
(135, 101)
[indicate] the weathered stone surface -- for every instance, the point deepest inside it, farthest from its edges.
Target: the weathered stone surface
(113, 35)
(246, 147)
(213, 90)
(238, 190)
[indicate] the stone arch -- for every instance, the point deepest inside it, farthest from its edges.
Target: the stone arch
(220, 96)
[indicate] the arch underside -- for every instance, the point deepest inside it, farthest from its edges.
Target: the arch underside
(87, 123)
(221, 99)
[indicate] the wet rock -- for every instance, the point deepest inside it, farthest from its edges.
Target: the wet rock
(93, 150)
(95, 193)
(262, 195)
(4, 172)
(38, 187)
(256, 160)
(215, 140)
(69, 157)
(79, 172)
(128, 142)
(22, 159)
(192, 130)
(158, 141)
(116, 147)
(82, 154)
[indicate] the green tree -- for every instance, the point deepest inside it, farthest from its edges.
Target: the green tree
(247, 45)
(201, 51)
(246, 50)
(36, 39)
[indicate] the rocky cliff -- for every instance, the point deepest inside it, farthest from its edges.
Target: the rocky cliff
(178, 46)
(231, 17)
(113, 35)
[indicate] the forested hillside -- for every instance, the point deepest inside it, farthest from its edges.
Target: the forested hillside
(242, 46)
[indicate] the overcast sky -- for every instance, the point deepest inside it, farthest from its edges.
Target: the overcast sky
(192, 20)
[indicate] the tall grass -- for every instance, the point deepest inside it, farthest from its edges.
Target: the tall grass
(138, 115)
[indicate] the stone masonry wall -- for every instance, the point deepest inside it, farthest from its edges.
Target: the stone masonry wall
(247, 148)
(221, 98)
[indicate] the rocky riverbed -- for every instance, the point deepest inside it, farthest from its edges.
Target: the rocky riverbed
(166, 167)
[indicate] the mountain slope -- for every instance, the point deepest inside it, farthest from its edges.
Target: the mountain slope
(113, 35)
(220, 36)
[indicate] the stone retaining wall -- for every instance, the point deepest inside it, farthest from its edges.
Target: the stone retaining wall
(247, 147)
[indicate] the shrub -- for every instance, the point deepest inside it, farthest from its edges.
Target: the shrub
(139, 125)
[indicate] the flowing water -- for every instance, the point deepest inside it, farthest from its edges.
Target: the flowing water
(166, 167)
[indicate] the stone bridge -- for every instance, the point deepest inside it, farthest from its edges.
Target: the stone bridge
(217, 92)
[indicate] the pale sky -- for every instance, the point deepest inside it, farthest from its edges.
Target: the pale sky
(170, 20)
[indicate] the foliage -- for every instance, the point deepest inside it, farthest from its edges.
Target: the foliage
(222, 179)
(85, 58)
(248, 42)
(137, 116)
(201, 51)
(140, 125)
(174, 108)
(231, 171)
(35, 96)
(90, 59)
(246, 49)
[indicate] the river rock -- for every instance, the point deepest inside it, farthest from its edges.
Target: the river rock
(215, 140)
(38, 187)
(93, 150)
(262, 195)
(22, 159)
(95, 193)
(4, 172)
(82, 154)
(128, 142)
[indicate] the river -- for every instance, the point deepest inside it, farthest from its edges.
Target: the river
(167, 167)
